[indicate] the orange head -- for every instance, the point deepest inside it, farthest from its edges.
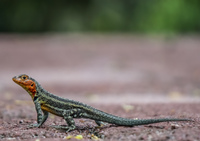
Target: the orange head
(27, 83)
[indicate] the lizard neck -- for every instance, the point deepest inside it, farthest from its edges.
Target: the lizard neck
(40, 91)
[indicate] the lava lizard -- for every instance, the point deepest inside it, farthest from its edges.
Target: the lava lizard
(46, 102)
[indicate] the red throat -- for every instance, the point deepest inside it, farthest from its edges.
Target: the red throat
(30, 87)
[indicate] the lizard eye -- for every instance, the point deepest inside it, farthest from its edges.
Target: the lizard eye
(24, 77)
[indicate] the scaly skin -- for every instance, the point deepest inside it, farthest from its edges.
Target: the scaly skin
(46, 102)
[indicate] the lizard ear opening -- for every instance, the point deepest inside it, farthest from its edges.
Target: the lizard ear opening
(32, 84)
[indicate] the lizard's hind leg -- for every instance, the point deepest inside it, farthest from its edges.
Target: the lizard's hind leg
(68, 116)
(71, 124)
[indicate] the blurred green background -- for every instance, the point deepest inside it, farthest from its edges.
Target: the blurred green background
(131, 16)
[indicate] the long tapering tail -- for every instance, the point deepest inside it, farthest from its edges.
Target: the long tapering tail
(105, 117)
(136, 122)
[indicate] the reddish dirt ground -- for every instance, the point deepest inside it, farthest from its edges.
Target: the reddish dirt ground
(125, 75)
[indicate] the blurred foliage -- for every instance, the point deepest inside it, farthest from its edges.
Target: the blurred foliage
(140, 16)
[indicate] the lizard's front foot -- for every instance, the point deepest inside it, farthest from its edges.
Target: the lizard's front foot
(33, 125)
(67, 128)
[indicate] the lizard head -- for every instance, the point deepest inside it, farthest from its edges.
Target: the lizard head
(27, 83)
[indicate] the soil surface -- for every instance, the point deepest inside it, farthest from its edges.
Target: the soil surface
(125, 75)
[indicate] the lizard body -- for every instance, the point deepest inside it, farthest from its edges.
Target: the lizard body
(46, 102)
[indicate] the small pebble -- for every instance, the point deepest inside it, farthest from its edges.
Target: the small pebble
(21, 121)
(174, 126)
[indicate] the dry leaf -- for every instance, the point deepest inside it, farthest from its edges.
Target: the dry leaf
(68, 137)
(93, 137)
(79, 137)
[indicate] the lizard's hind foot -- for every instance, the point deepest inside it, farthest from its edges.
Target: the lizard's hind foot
(66, 128)
(100, 123)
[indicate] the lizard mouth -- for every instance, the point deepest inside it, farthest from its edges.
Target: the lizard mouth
(14, 79)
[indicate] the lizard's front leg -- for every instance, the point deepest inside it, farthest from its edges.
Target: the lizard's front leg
(41, 118)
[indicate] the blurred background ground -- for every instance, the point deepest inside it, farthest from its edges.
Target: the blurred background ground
(130, 58)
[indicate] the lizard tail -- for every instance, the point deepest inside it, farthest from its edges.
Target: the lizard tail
(105, 117)
(135, 122)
